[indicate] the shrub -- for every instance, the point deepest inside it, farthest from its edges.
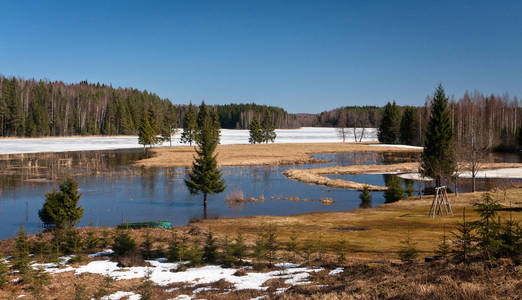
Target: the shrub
(123, 244)
(61, 209)
(210, 250)
(408, 253)
(394, 192)
(4, 269)
(238, 247)
(21, 258)
(147, 245)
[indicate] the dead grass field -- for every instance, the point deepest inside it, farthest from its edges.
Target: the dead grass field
(259, 154)
(314, 176)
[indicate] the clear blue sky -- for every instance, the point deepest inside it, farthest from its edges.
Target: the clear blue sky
(303, 56)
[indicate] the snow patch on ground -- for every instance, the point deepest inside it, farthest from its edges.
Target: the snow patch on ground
(336, 271)
(513, 173)
(397, 146)
(119, 294)
(228, 137)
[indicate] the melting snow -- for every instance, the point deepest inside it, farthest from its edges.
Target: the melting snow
(228, 136)
(336, 271)
(119, 294)
(396, 146)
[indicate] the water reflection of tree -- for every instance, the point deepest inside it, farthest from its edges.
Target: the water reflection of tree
(148, 180)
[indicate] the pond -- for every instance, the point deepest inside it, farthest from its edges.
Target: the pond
(113, 192)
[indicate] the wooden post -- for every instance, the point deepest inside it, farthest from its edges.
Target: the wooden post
(440, 205)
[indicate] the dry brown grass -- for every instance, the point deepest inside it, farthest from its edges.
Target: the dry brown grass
(314, 176)
(259, 154)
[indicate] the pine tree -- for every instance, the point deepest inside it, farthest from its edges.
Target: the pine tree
(464, 241)
(366, 198)
(409, 130)
(21, 257)
(4, 270)
(174, 250)
(147, 245)
(443, 249)
(239, 247)
(394, 191)
(267, 129)
(210, 250)
(390, 123)
(256, 135)
(407, 252)
(205, 177)
(189, 126)
(61, 208)
(168, 128)
(271, 245)
(489, 241)
(146, 135)
(438, 158)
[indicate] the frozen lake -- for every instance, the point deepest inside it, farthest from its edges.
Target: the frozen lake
(228, 136)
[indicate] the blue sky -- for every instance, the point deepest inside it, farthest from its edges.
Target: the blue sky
(306, 56)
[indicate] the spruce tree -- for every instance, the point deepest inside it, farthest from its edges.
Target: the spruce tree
(463, 241)
(438, 158)
(267, 129)
(256, 135)
(168, 128)
(409, 130)
(204, 176)
(4, 270)
(189, 126)
(210, 249)
(394, 191)
(61, 208)
(21, 258)
(146, 135)
(366, 198)
(389, 128)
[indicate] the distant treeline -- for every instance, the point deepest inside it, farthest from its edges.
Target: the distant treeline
(42, 108)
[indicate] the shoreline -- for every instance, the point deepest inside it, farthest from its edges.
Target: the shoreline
(314, 176)
(261, 154)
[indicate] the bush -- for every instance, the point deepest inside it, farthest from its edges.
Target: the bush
(408, 253)
(4, 269)
(210, 250)
(61, 209)
(123, 244)
(394, 192)
(21, 258)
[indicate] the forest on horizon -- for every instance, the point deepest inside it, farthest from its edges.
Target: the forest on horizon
(31, 108)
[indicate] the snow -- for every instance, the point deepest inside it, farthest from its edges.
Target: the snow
(228, 136)
(119, 294)
(161, 273)
(182, 297)
(336, 271)
(397, 146)
(106, 252)
(513, 173)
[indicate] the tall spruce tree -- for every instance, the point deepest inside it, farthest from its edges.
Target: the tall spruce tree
(61, 208)
(438, 158)
(190, 126)
(267, 128)
(168, 128)
(146, 135)
(409, 130)
(256, 135)
(390, 124)
(204, 176)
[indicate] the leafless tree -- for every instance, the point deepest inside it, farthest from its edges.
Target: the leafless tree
(342, 121)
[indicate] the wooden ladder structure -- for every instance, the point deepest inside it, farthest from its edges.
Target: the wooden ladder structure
(440, 205)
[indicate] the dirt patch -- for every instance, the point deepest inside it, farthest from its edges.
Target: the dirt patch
(259, 154)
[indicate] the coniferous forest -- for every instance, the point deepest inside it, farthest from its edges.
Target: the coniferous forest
(33, 108)
(30, 108)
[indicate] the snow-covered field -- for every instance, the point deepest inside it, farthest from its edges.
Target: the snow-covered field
(228, 136)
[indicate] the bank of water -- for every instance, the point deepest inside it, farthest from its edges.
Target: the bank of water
(114, 192)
